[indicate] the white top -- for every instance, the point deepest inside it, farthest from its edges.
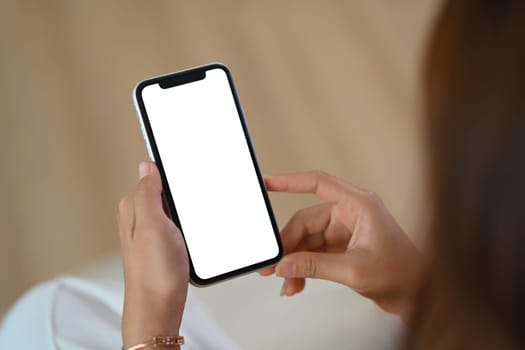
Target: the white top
(79, 314)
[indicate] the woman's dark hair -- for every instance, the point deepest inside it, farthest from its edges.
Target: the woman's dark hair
(475, 109)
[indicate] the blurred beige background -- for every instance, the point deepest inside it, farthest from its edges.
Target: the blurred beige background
(331, 85)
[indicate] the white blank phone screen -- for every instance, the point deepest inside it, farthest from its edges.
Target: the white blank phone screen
(211, 175)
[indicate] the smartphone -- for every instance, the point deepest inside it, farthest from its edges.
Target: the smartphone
(196, 133)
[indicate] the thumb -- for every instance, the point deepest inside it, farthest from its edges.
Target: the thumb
(327, 266)
(147, 195)
(149, 177)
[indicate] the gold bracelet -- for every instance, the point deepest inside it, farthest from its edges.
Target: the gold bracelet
(168, 341)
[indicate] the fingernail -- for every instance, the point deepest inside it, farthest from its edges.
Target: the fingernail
(144, 169)
(287, 269)
(283, 289)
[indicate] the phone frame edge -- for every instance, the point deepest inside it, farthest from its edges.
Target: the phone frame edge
(154, 155)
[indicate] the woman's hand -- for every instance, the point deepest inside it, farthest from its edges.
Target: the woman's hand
(350, 239)
(156, 271)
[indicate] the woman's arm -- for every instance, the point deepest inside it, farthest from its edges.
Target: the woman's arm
(156, 271)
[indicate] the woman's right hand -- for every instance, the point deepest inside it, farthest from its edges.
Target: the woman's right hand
(351, 239)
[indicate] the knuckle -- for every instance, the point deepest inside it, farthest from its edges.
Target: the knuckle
(352, 278)
(310, 267)
(372, 200)
(124, 204)
(295, 216)
(373, 196)
(298, 216)
(319, 174)
(169, 225)
(298, 220)
(319, 177)
(142, 189)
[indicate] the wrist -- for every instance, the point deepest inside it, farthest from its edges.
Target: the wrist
(146, 316)
(402, 299)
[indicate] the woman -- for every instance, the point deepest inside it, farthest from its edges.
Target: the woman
(470, 290)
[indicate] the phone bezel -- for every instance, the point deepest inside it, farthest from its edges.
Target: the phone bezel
(155, 155)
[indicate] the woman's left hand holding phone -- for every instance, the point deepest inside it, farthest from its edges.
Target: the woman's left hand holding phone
(156, 271)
